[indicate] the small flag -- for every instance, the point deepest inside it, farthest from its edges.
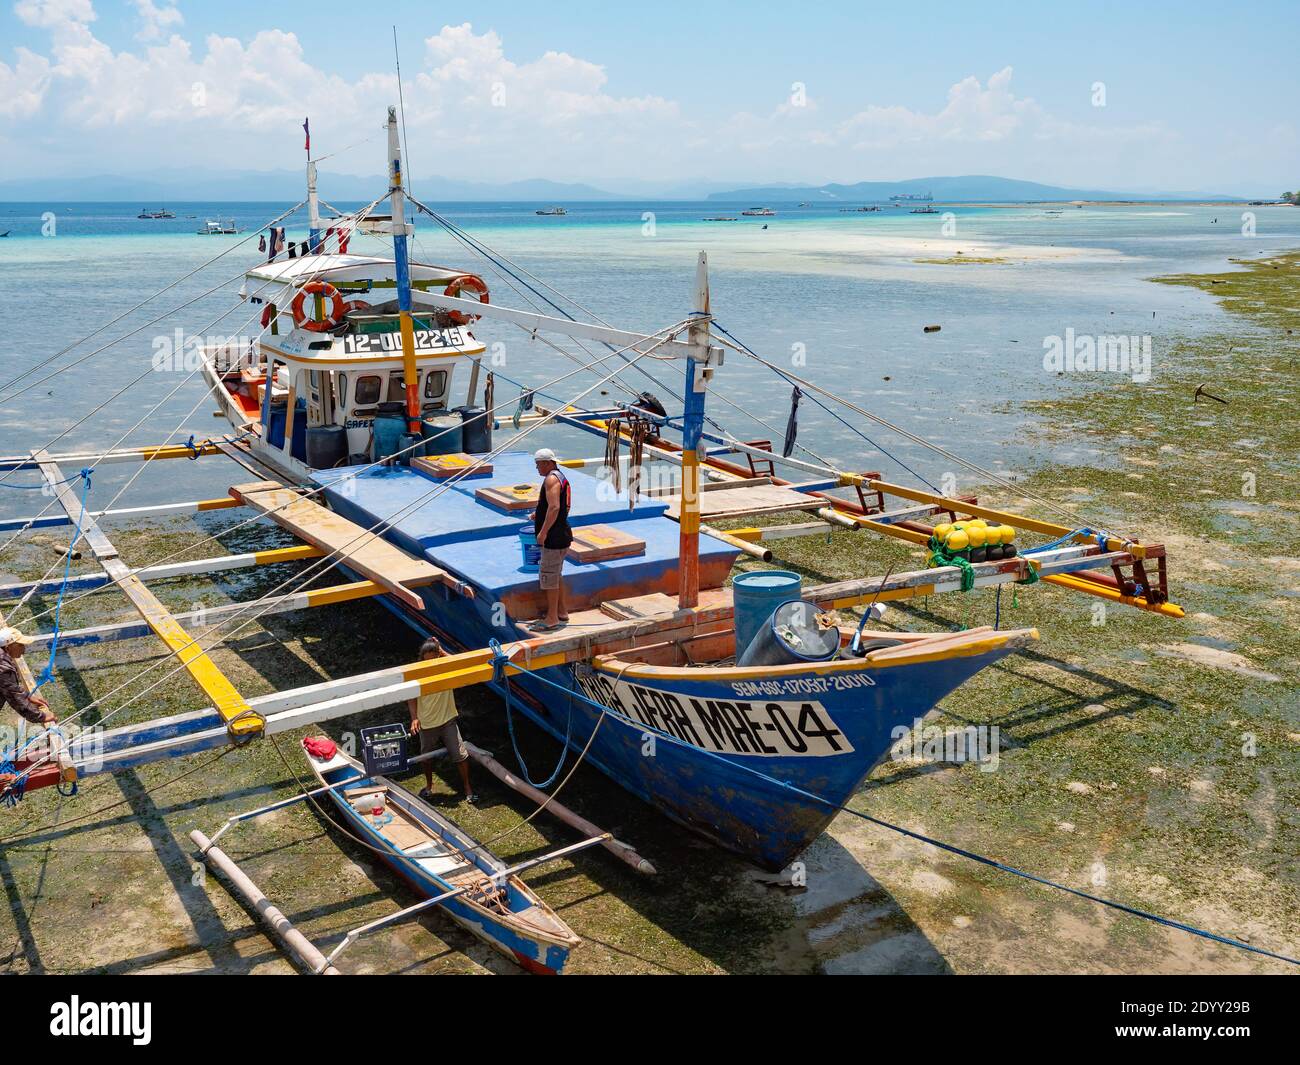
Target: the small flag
(792, 425)
(306, 132)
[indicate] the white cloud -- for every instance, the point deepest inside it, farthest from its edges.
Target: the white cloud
(54, 14)
(156, 19)
(22, 86)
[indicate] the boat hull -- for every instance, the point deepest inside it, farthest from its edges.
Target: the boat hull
(536, 955)
(759, 770)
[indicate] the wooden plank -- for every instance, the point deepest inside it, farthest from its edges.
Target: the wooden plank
(601, 543)
(440, 467)
(731, 502)
(70, 501)
(366, 552)
(510, 498)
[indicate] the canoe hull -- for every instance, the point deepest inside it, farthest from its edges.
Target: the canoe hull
(535, 954)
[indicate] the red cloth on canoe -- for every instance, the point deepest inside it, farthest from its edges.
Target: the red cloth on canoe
(322, 748)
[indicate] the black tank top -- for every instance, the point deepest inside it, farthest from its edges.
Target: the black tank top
(560, 535)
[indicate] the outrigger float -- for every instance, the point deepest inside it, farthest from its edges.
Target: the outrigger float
(343, 413)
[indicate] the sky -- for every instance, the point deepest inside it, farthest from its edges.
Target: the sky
(1188, 96)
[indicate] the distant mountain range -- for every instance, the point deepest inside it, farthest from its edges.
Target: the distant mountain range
(980, 188)
(260, 185)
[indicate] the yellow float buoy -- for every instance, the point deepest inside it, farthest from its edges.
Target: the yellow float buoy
(978, 535)
(958, 540)
(941, 531)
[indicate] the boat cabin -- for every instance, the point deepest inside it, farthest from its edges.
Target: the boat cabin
(330, 355)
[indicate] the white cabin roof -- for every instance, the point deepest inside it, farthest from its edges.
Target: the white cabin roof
(345, 268)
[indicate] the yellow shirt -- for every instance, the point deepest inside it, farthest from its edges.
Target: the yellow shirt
(435, 709)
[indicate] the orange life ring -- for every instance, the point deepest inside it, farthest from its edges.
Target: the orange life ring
(475, 284)
(326, 291)
(354, 305)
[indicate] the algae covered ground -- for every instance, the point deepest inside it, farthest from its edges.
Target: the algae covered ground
(1151, 761)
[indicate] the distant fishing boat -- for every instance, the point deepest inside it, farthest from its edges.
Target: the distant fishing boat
(859, 210)
(162, 212)
(722, 218)
(217, 227)
(552, 211)
(924, 210)
(759, 212)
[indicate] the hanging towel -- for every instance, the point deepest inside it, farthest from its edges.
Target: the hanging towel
(277, 242)
(261, 242)
(489, 394)
(792, 426)
(525, 403)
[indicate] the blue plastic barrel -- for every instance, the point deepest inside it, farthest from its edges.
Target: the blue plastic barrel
(275, 427)
(442, 434)
(756, 595)
(532, 551)
(389, 426)
(791, 635)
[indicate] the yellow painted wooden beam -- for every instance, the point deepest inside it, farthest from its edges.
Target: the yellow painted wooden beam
(1114, 595)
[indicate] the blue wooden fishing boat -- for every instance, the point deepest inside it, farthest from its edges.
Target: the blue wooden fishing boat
(368, 404)
(441, 860)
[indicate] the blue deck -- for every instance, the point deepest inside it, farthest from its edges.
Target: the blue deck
(478, 543)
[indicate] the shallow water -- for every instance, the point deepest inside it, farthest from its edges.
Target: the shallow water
(838, 298)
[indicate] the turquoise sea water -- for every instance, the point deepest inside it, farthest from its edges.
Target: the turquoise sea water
(839, 298)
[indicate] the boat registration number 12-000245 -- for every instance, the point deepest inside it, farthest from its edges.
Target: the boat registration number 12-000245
(799, 729)
(425, 339)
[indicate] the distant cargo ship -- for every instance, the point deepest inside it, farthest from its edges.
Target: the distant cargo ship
(759, 212)
(912, 197)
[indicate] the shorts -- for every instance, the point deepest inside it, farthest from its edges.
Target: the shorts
(551, 566)
(448, 736)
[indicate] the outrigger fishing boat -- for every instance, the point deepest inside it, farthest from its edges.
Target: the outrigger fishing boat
(743, 705)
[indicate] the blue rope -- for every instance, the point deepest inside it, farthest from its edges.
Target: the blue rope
(43, 486)
(833, 413)
(13, 794)
(499, 662)
(47, 674)
(950, 848)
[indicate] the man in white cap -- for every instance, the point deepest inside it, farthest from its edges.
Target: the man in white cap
(551, 524)
(13, 645)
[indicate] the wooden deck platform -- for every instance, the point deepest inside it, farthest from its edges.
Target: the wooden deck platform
(361, 550)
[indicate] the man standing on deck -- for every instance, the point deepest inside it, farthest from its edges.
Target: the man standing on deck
(551, 523)
(433, 719)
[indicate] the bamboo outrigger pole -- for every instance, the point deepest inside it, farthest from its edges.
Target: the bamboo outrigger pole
(397, 200)
(688, 573)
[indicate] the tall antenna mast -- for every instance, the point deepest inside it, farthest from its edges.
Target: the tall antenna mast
(400, 230)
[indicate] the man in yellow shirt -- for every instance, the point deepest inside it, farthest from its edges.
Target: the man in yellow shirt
(433, 719)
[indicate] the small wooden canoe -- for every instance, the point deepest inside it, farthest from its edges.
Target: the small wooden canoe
(436, 856)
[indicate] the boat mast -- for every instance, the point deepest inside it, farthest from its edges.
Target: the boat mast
(397, 200)
(688, 573)
(313, 204)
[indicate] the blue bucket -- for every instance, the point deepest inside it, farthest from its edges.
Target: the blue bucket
(756, 596)
(532, 551)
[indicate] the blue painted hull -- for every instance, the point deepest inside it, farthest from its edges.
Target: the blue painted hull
(695, 769)
(533, 954)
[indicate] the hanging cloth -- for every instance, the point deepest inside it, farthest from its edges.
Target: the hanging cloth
(277, 242)
(489, 395)
(261, 242)
(292, 252)
(638, 430)
(613, 439)
(525, 403)
(792, 426)
(345, 235)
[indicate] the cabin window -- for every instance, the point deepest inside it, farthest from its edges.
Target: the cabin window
(367, 394)
(396, 387)
(435, 384)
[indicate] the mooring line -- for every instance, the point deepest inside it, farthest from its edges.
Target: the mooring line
(951, 848)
